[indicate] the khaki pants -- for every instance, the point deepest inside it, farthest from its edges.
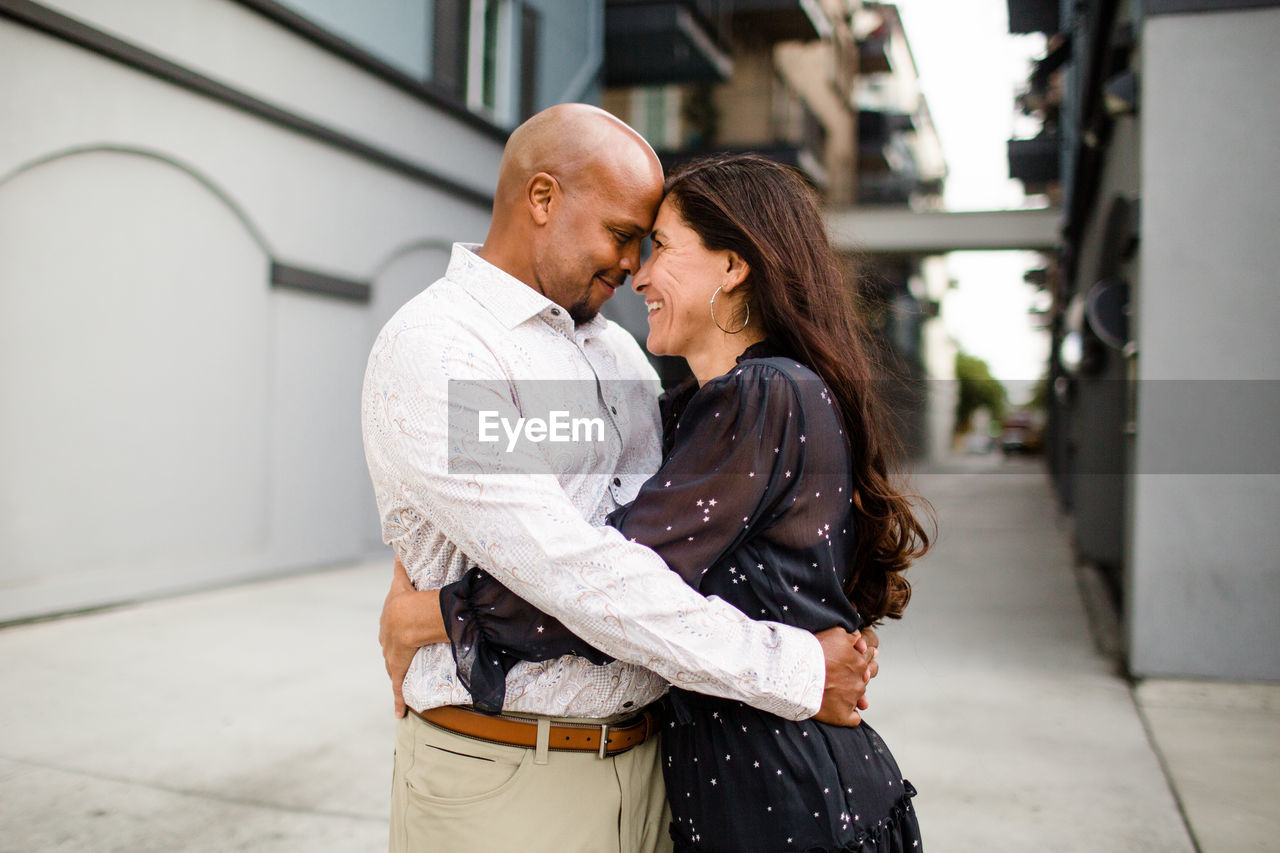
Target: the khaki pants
(453, 793)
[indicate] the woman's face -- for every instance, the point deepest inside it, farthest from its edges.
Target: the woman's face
(677, 283)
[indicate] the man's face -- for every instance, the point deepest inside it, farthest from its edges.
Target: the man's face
(594, 241)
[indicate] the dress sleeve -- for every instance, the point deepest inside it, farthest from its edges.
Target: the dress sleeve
(492, 629)
(735, 461)
(737, 453)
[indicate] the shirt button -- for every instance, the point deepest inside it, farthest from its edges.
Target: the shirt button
(613, 409)
(617, 482)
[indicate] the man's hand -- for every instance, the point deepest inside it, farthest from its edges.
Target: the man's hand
(851, 664)
(410, 619)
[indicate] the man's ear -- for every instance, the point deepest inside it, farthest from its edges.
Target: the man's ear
(540, 191)
(735, 272)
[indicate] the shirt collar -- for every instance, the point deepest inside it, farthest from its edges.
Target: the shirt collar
(510, 300)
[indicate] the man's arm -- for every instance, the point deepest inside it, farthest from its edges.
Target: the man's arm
(524, 530)
(412, 618)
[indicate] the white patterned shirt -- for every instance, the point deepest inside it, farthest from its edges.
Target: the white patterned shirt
(540, 534)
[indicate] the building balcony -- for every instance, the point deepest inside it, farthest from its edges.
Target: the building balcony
(797, 155)
(796, 138)
(780, 20)
(1035, 162)
(1033, 16)
(885, 189)
(873, 55)
(658, 43)
(894, 156)
(880, 124)
(881, 144)
(874, 158)
(895, 189)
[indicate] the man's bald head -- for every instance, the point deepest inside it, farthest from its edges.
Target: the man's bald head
(573, 142)
(577, 192)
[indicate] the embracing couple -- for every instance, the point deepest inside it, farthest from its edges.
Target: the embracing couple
(665, 643)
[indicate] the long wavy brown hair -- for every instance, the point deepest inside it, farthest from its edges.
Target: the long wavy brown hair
(768, 215)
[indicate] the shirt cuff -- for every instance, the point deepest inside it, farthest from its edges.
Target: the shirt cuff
(811, 696)
(806, 667)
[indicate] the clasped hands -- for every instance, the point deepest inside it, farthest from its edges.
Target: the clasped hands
(411, 619)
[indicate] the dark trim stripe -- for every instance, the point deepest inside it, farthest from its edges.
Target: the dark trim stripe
(333, 43)
(75, 32)
(297, 278)
(1176, 7)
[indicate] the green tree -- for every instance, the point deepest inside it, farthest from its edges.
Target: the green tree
(1040, 395)
(978, 389)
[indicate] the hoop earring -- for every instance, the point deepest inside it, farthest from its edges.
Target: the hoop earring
(745, 320)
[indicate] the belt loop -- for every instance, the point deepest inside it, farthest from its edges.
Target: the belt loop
(543, 744)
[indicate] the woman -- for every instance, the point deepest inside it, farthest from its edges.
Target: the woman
(774, 495)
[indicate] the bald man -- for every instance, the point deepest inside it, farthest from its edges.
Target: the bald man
(572, 762)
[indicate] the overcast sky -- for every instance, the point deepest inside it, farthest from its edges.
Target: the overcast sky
(970, 69)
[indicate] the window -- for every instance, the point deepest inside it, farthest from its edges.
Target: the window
(655, 114)
(497, 37)
(481, 53)
(530, 32)
(398, 32)
(451, 26)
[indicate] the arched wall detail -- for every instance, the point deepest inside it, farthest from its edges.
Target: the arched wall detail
(134, 363)
(159, 156)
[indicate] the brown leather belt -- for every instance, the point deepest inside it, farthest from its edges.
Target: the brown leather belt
(604, 739)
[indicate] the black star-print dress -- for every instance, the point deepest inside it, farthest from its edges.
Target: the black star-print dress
(752, 504)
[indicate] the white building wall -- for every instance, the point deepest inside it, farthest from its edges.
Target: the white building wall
(170, 419)
(1205, 574)
(236, 46)
(134, 383)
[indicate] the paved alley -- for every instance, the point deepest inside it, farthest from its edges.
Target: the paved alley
(257, 717)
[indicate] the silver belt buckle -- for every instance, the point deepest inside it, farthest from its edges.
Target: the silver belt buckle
(604, 740)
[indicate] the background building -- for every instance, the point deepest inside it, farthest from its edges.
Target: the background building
(829, 88)
(207, 211)
(1159, 121)
(900, 166)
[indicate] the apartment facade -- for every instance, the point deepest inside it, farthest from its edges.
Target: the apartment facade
(829, 88)
(1160, 120)
(208, 210)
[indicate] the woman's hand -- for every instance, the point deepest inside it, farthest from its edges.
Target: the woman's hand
(851, 664)
(410, 619)
(872, 641)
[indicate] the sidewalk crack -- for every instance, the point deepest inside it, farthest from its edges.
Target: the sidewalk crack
(1164, 769)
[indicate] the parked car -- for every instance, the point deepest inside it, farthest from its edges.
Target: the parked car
(1020, 433)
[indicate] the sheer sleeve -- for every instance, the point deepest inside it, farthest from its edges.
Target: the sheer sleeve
(735, 457)
(492, 629)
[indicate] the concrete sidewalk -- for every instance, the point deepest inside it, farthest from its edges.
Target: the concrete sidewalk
(1017, 732)
(250, 718)
(258, 717)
